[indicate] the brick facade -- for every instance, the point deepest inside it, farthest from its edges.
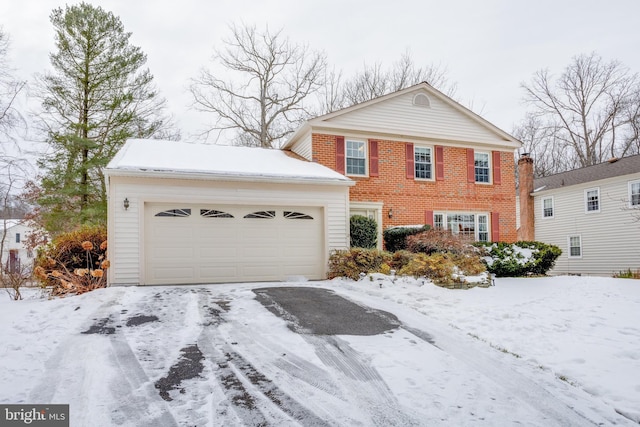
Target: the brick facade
(411, 199)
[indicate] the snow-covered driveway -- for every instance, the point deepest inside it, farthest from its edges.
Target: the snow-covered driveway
(216, 355)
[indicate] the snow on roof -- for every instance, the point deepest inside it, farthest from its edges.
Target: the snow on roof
(147, 155)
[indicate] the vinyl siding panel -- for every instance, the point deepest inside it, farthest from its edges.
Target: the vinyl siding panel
(126, 228)
(399, 116)
(303, 147)
(610, 238)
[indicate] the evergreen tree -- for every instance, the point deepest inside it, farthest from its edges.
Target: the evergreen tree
(96, 97)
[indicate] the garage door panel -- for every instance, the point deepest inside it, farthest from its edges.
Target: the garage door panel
(210, 247)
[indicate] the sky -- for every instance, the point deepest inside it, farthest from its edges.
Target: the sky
(487, 47)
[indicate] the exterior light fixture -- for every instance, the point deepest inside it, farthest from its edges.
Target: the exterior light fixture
(390, 213)
(126, 203)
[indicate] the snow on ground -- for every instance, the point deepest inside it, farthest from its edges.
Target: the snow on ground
(521, 352)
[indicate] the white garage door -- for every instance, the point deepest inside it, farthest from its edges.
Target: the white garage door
(221, 243)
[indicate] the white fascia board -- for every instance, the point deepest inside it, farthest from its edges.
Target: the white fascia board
(201, 176)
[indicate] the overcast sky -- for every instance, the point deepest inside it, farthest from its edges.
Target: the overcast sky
(488, 46)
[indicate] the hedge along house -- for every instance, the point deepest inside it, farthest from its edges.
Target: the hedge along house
(418, 157)
(181, 213)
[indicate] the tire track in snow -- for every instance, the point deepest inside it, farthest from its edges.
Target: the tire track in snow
(246, 388)
(528, 391)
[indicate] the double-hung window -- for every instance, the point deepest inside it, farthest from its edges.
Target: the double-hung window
(547, 207)
(423, 162)
(482, 167)
(575, 246)
(592, 200)
(356, 157)
(634, 194)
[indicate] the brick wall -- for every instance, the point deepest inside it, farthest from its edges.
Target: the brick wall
(409, 198)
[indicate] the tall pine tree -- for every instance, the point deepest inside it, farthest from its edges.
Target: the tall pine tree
(97, 95)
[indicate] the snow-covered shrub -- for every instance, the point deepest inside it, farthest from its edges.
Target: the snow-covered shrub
(350, 263)
(395, 238)
(437, 267)
(520, 258)
(364, 232)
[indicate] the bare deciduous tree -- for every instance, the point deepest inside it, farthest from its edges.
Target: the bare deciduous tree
(374, 81)
(260, 85)
(10, 88)
(589, 109)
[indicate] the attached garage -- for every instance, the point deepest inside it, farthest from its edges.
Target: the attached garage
(195, 213)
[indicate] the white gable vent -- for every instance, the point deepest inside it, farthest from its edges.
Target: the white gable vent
(421, 100)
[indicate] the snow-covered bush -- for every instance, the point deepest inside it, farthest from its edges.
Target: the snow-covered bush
(520, 258)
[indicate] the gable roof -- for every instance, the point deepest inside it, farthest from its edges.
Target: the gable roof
(609, 169)
(148, 157)
(338, 120)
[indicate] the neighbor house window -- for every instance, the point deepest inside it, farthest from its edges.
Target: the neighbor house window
(547, 207)
(356, 158)
(592, 199)
(575, 247)
(634, 194)
(482, 167)
(423, 162)
(17, 237)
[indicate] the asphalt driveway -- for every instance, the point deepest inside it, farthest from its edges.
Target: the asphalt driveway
(271, 356)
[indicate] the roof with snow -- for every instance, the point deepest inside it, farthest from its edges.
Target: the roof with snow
(161, 158)
(609, 169)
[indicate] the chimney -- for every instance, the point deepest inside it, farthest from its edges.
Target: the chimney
(525, 188)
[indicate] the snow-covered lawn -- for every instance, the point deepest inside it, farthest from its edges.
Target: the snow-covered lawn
(544, 351)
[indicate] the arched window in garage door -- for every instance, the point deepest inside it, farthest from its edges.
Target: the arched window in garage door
(212, 213)
(262, 214)
(175, 213)
(296, 215)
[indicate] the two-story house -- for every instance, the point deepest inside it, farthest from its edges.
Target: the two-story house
(15, 255)
(591, 213)
(418, 157)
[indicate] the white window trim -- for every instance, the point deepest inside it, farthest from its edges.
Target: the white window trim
(489, 156)
(366, 157)
(630, 183)
(433, 163)
(553, 207)
(476, 225)
(579, 236)
(586, 200)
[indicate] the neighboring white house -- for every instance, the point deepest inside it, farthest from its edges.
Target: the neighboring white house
(592, 214)
(200, 213)
(15, 254)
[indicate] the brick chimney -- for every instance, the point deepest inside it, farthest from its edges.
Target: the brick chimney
(525, 188)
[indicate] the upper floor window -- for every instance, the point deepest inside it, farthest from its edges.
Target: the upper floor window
(423, 162)
(17, 237)
(547, 207)
(634, 194)
(592, 200)
(482, 167)
(356, 158)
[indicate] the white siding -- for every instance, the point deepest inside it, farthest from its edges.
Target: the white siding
(302, 147)
(399, 116)
(126, 227)
(610, 238)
